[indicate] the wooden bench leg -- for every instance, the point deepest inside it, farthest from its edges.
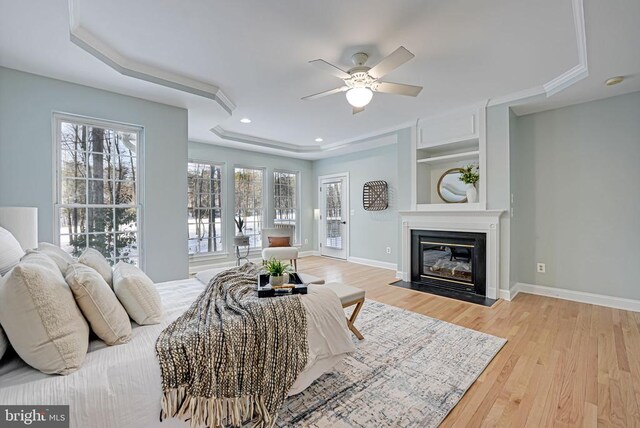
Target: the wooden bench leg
(295, 265)
(354, 315)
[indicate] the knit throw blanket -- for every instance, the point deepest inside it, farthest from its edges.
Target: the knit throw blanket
(231, 357)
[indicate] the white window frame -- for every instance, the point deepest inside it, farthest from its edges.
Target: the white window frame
(223, 226)
(298, 232)
(264, 199)
(57, 119)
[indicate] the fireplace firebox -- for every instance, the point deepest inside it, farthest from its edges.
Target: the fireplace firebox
(449, 260)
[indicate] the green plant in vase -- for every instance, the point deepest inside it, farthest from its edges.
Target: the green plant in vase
(239, 224)
(470, 175)
(240, 239)
(277, 272)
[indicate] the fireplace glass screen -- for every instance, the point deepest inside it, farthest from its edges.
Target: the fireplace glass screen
(452, 262)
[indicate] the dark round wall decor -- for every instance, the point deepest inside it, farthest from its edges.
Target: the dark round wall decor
(375, 196)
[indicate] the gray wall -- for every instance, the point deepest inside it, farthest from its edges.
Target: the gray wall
(27, 103)
(371, 232)
(234, 157)
(576, 198)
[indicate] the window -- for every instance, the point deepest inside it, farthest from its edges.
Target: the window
(285, 200)
(97, 180)
(205, 208)
(249, 187)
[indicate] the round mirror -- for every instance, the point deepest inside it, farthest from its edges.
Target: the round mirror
(450, 188)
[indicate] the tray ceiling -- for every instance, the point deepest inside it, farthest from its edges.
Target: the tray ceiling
(250, 58)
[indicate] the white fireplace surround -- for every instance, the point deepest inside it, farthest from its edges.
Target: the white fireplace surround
(481, 221)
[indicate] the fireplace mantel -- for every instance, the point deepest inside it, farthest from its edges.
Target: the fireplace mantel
(481, 221)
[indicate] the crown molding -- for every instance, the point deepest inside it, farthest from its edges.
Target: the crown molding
(84, 39)
(517, 96)
(566, 79)
(263, 142)
(563, 81)
(362, 143)
(581, 70)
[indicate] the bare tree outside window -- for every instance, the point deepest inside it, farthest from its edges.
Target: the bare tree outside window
(285, 200)
(249, 187)
(205, 208)
(97, 190)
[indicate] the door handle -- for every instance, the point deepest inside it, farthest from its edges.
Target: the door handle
(344, 222)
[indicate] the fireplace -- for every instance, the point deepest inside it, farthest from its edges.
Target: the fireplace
(453, 261)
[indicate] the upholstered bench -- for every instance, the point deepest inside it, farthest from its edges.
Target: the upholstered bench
(349, 296)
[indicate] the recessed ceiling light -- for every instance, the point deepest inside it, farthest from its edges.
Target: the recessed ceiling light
(319, 140)
(614, 80)
(245, 120)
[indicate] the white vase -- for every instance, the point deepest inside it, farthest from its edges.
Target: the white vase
(276, 280)
(472, 194)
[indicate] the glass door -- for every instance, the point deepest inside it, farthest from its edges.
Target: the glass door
(333, 217)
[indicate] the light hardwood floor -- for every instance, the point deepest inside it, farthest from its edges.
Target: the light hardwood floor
(565, 363)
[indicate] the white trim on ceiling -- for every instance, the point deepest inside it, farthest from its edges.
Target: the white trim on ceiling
(128, 67)
(566, 79)
(563, 81)
(377, 139)
(83, 38)
(581, 70)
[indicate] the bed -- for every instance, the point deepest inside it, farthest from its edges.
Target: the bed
(119, 386)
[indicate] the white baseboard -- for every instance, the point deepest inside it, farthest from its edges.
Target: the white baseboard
(577, 296)
(373, 263)
(308, 253)
(509, 294)
(399, 275)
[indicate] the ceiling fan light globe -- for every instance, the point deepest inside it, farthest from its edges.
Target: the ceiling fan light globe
(359, 97)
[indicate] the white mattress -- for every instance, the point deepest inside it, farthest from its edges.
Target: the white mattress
(119, 386)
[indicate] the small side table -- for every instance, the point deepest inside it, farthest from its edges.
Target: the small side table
(238, 242)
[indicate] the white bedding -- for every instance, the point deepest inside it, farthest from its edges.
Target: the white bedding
(119, 386)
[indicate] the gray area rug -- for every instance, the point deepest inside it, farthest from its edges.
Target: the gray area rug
(410, 371)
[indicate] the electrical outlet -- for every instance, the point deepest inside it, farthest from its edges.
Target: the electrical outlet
(541, 268)
(388, 250)
(306, 241)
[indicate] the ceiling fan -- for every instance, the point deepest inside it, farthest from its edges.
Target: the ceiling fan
(360, 82)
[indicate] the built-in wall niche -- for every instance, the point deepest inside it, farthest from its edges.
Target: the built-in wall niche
(450, 141)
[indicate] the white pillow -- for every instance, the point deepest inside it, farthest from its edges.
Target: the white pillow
(108, 319)
(95, 260)
(137, 293)
(57, 254)
(10, 251)
(41, 318)
(4, 343)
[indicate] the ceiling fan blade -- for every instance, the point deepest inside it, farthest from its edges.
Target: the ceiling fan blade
(357, 110)
(397, 88)
(330, 68)
(325, 93)
(391, 62)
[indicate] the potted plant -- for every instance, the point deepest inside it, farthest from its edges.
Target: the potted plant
(240, 240)
(278, 272)
(470, 176)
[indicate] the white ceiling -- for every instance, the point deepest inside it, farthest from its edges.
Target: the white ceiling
(257, 53)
